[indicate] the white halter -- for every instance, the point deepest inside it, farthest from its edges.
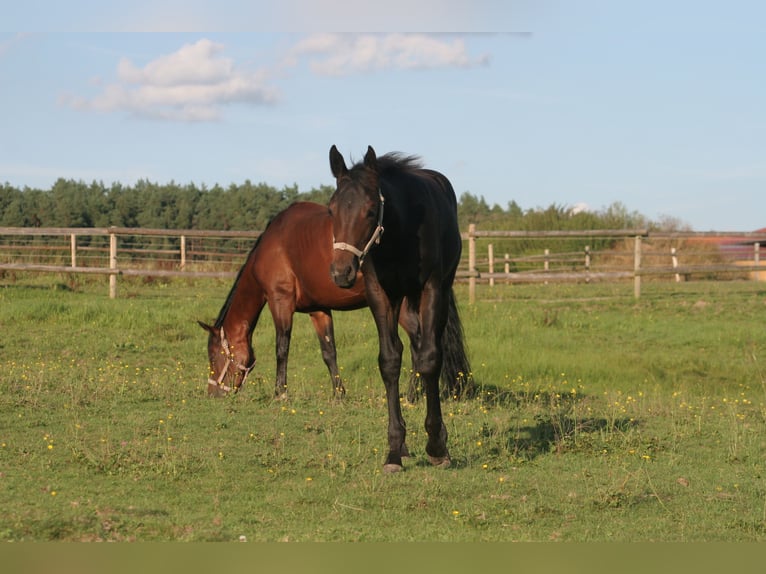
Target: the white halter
(374, 239)
(229, 361)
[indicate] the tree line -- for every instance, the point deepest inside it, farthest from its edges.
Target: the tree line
(248, 206)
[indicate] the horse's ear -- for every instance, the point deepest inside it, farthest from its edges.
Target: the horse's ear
(207, 327)
(337, 163)
(370, 159)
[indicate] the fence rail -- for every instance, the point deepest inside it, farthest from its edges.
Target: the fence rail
(594, 255)
(706, 253)
(143, 252)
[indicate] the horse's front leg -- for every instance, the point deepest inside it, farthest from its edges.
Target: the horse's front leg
(283, 325)
(386, 313)
(323, 326)
(390, 365)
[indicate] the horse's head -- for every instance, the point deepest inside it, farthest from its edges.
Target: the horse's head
(356, 209)
(229, 364)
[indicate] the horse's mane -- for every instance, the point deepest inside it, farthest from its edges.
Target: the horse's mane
(225, 309)
(395, 161)
(392, 162)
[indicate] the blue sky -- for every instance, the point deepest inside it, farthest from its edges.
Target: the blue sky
(658, 105)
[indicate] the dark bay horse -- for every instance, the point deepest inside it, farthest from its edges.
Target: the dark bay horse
(397, 223)
(286, 268)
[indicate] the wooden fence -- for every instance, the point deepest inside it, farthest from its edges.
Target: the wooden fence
(142, 252)
(632, 254)
(585, 256)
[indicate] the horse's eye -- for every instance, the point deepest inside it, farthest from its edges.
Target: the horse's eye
(371, 214)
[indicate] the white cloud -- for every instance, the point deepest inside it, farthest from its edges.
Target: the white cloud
(7, 45)
(191, 84)
(345, 54)
(195, 82)
(579, 208)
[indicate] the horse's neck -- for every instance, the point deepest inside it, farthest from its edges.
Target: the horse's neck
(244, 309)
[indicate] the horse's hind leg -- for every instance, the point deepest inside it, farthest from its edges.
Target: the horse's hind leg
(323, 325)
(427, 361)
(410, 322)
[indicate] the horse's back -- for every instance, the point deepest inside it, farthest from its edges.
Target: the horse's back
(444, 186)
(293, 258)
(295, 216)
(430, 197)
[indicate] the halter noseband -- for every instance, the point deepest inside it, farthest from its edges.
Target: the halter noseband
(374, 239)
(218, 383)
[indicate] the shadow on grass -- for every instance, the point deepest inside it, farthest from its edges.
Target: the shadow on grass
(556, 426)
(560, 434)
(493, 396)
(56, 286)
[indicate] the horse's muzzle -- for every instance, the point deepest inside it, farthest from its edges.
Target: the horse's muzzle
(216, 390)
(344, 276)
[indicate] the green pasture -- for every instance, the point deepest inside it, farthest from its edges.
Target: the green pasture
(598, 417)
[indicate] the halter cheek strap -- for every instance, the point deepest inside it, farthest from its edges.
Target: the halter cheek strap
(374, 239)
(229, 361)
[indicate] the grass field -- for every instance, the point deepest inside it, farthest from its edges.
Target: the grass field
(599, 418)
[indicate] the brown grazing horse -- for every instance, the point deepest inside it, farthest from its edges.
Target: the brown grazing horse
(288, 269)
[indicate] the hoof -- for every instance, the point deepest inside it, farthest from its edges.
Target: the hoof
(392, 468)
(440, 461)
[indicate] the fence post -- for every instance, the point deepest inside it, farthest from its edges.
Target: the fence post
(491, 256)
(587, 263)
(472, 263)
(674, 259)
(183, 252)
(73, 249)
(637, 267)
(112, 265)
(757, 259)
(546, 262)
(507, 267)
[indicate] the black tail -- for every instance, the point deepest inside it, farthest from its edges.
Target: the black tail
(456, 376)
